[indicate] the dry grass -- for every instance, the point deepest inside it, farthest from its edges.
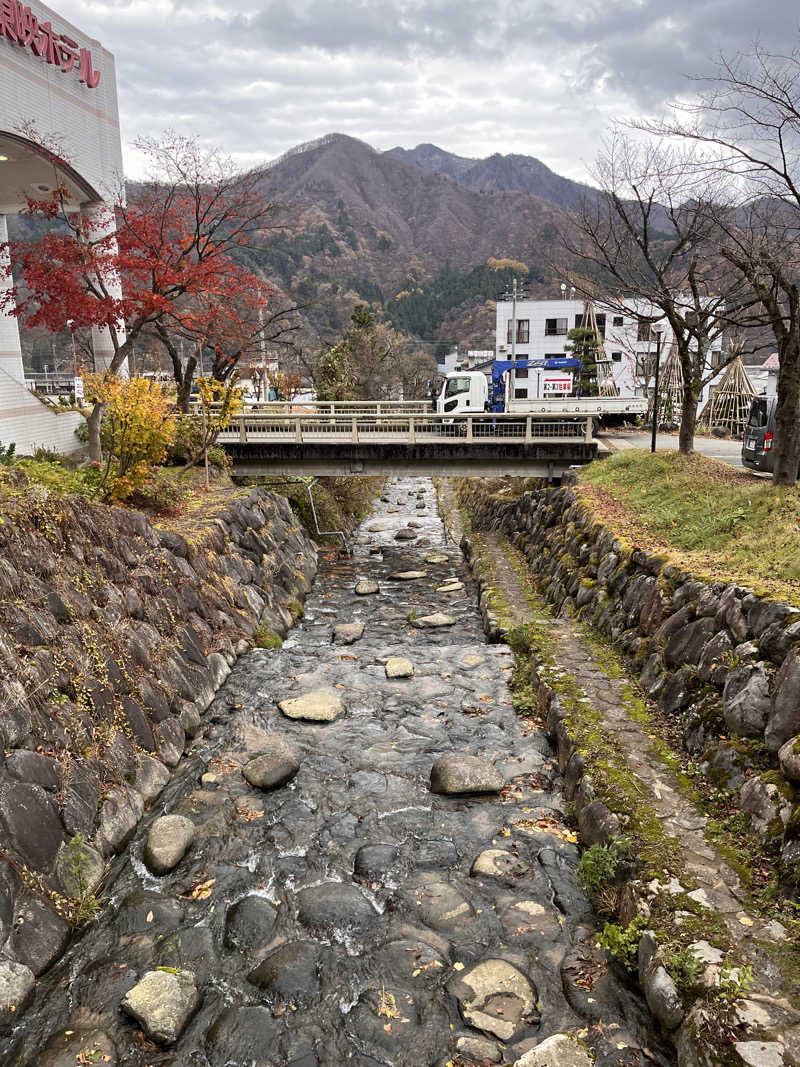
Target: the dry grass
(710, 518)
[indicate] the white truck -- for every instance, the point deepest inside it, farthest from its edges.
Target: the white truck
(469, 393)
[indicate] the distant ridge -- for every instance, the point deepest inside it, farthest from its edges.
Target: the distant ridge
(497, 173)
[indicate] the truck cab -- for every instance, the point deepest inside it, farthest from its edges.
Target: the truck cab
(463, 393)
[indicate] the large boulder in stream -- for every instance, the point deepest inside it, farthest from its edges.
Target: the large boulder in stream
(162, 1003)
(168, 842)
(497, 998)
(335, 907)
(273, 767)
(321, 705)
(459, 773)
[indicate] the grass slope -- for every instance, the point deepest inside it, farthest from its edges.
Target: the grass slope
(712, 519)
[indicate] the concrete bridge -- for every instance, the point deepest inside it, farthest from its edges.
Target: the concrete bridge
(327, 441)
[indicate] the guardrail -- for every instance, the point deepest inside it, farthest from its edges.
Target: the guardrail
(252, 426)
(339, 407)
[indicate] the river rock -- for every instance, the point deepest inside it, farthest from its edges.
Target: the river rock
(437, 557)
(373, 863)
(345, 633)
(334, 906)
(366, 587)
(789, 759)
(784, 716)
(478, 1049)
(560, 1050)
(16, 989)
(495, 997)
(80, 869)
(430, 622)
(39, 936)
(451, 587)
(31, 822)
(191, 949)
(407, 576)
(405, 535)
(291, 972)
(320, 705)
(399, 667)
(760, 1053)
(442, 907)
(459, 773)
(243, 1037)
(496, 863)
(168, 842)
(274, 767)
(163, 1003)
(70, 1048)
(662, 997)
(379, 527)
(250, 922)
(746, 700)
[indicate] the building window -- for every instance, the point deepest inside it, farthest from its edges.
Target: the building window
(555, 327)
(523, 331)
(618, 321)
(645, 331)
(616, 357)
(521, 394)
(578, 321)
(521, 373)
(643, 365)
(601, 325)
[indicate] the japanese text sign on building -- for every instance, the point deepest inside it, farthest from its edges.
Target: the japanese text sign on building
(22, 27)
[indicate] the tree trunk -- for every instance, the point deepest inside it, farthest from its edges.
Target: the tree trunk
(185, 386)
(93, 423)
(787, 415)
(688, 419)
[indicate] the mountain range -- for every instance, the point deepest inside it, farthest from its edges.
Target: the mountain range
(386, 227)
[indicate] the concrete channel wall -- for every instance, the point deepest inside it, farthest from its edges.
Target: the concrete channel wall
(114, 637)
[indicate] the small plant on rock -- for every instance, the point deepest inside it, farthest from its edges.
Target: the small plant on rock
(684, 966)
(266, 638)
(623, 942)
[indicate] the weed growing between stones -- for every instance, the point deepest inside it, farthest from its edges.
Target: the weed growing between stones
(623, 942)
(264, 637)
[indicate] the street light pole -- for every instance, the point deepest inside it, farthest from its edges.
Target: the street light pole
(658, 329)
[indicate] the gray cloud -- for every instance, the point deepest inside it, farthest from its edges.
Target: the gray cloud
(533, 76)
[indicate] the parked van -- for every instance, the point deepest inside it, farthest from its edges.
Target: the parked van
(759, 435)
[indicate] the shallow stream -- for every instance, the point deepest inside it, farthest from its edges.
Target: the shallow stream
(354, 881)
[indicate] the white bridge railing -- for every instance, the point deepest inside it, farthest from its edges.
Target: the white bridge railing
(339, 407)
(258, 426)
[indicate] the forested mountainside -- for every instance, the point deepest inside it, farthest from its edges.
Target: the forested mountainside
(388, 229)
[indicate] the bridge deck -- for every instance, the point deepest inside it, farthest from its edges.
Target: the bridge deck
(480, 445)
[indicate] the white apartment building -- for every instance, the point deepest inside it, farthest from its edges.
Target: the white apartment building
(541, 333)
(59, 128)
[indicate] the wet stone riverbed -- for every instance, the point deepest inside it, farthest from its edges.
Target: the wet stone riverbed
(345, 917)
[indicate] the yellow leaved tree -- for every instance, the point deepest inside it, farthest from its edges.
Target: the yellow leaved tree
(137, 431)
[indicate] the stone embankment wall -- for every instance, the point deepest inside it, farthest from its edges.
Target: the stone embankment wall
(721, 661)
(114, 637)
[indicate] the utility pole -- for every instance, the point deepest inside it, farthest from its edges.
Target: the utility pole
(658, 330)
(514, 321)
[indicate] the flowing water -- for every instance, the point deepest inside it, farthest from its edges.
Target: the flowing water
(354, 882)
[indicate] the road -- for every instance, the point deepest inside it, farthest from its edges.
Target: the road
(715, 448)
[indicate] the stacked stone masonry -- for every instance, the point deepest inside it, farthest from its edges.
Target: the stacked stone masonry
(114, 637)
(720, 660)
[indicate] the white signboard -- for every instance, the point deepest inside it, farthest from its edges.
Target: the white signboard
(561, 385)
(77, 388)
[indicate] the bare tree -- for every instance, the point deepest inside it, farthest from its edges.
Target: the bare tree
(646, 243)
(747, 123)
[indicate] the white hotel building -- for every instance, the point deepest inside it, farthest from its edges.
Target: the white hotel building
(541, 333)
(57, 89)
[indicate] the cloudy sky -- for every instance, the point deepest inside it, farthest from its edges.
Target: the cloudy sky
(538, 77)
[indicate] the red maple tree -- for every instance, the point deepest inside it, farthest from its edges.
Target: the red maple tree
(165, 260)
